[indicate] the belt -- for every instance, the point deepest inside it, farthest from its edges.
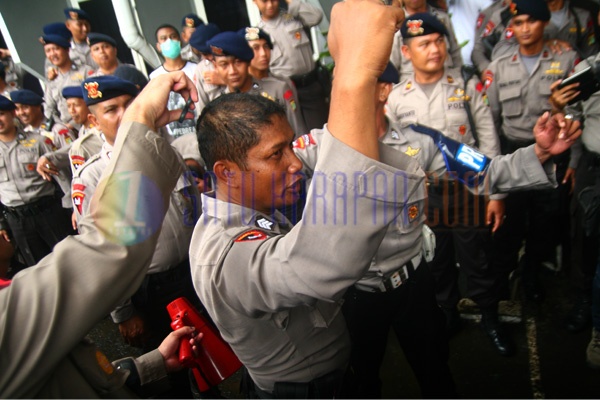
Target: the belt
(174, 274)
(306, 79)
(31, 209)
(396, 278)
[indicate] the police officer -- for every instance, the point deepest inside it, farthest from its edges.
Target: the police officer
(143, 321)
(207, 80)
(103, 49)
(403, 65)
(5, 87)
(292, 53)
(518, 89)
(79, 24)
(189, 24)
(61, 363)
(32, 208)
(232, 60)
(68, 73)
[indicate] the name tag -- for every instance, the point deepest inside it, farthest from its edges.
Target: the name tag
(471, 158)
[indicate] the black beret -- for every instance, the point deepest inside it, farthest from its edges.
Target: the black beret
(26, 96)
(421, 24)
(131, 74)
(101, 88)
(57, 28)
(76, 14)
(201, 35)
(252, 33)
(55, 39)
(6, 104)
(94, 38)
(390, 74)
(231, 44)
(69, 92)
(536, 9)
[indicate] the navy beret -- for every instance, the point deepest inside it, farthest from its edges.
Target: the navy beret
(101, 88)
(201, 35)
(69, 92)
(231, 44)
(57, 28)
(536, 9)
(252, 33)
(26, 96)
(55, 39)
(191, 21)
(76, 14)
(390, 74)
(421, 24)
(6, 104)
(131, 74)
(95, 37)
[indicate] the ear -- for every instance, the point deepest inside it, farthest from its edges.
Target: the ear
(384, 91)
(406, 52)
(227, 172)
(92, 119)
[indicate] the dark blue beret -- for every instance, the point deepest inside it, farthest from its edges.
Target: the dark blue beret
(536, 9)
(57, 28)
(252, 33)
(94, 38)
(390, 74)
(69, 92)
(55, 39)
(191, 21)
(76, 14)
(421, 24)
(101, 88)
(6, 104)
(231, 44)
(201, 35)
(26, 96)
(131, 74)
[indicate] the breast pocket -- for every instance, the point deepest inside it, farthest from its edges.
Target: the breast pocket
(510, 98)
(27, 162)
(299, 37)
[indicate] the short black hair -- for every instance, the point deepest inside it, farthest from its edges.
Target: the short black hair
(165, 26)
(229, 126)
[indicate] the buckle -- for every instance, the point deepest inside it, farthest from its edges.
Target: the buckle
(401, 275)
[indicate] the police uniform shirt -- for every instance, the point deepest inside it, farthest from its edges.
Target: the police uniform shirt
(187, 147)
(55, 104)
(14, 74)
(99, 262)
(292, 52)
(176, 102)
(454, 58)
(273, 290)
(20, 183)
(87, 144)
(493, 26)
(517, 98)
(445, 110)
(81, 53)
(206, 91)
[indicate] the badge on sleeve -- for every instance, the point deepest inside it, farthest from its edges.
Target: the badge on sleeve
(77, 161)
(78, 196)
(264, 223)
(289, 97)
(304, 141)
(250, 236)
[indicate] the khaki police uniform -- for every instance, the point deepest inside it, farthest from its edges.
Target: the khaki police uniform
(87, 144)
(292, 57)
(454, 59)
(43, 352)
(489, 35)
(289, 327)
(55, 104)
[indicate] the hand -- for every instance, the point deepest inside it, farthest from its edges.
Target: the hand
(4, 235)
(495, 214)
(561, 97)
(558, 46)
(133, 331)
(74, 221)
(4, 53)
(169, 348)
(213, 78)
(554, 134)
(46, 168)
(150, 106)
(51, 74)
(569, 176)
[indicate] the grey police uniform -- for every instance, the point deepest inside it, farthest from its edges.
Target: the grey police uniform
(454, 59)
(55, 104)
(206, 91)
(43, 352)
(489, 35)
(31, 209)
(187, 147)
(292, 57)
(87, 144)
(288, 327)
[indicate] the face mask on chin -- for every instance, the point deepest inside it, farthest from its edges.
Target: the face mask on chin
(171, 48)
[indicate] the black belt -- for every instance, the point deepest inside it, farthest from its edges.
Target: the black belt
(174, 274)
(324, 387)
(395, 279)
(306, 79)
(34, 208)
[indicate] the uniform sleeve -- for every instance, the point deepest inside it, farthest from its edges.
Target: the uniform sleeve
(298, 268)
(307, 14)
(293, 111)
(489, 141)
(82, 190)
(491, 91)
(60, 158)
(50, 105)
(306, 148)
(479, 53)
(80, 282)
(454, 48)
(504, 46)
(588, 45)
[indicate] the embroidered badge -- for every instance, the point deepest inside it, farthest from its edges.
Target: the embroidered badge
(509, 33)
(304, 141)
(289, 97)
(267, 95)
(250, 236)
(217, 51)
(297, 36)
(489, 28)
(104, 363)
(412, 152)
(488, 78)
(513, 8)
(78, 196)
(555, 69)
(408, 85)
(415, 27)
(462, 129)
(252, 34)
(92, 89)
(30, 167)
(479, 22)
(264, 223)
(77, 161)
(189, 22)
(450, 79)
(413, 212)
(73, 15)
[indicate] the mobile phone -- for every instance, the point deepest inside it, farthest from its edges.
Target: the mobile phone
(588, 84)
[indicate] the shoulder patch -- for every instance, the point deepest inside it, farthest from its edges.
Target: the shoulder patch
(78, 196)
(488, 78)
(304, 141)
(77, 161)
(480, 18)
(265, 223)
(250, 236)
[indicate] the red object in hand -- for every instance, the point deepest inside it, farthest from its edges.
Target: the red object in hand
(215, 361)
